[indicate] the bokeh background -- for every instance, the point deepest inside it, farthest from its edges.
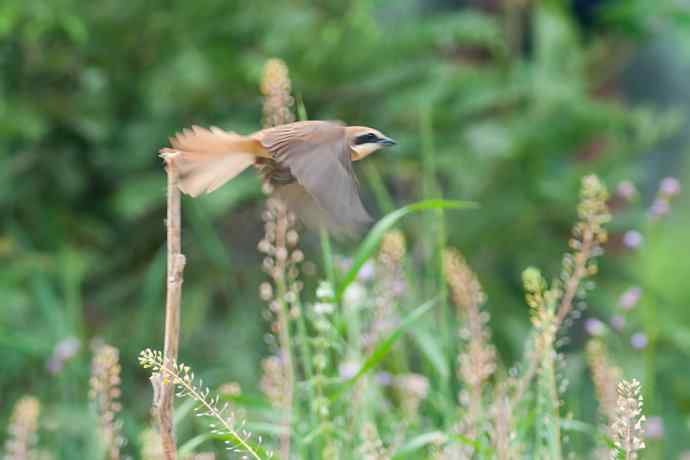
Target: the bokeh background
(504, 102)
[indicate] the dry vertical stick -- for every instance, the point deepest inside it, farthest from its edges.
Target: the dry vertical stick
(278, 102)
(176, 263)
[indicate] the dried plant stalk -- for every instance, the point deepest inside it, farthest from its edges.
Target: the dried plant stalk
(605, 377)
(503, 429)
(280, 239)
(105, 393)
(276, 88)
(627, 428)
(478, 362)
(588, 237)
(21, 432)
(150, 443)
(163, 406)
(372, 447)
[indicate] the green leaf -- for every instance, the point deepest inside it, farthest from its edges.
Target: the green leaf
(578, 426)
(253, 442)
(431, 349)
(253, 401)
(206, 236)
(381, 194)
(20, 342)
(327, 256)
(438, 438)
(416, 443)
(242, 189)
(371, 242)
(272, 429)
(187, 449)
(474, 443)
(183, 410)
(588, 429)
(384, 346)
(301, 109)
(138, 195)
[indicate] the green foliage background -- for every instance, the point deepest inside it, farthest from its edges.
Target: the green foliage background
(508, 106)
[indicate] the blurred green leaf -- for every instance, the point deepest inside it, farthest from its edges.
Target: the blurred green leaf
(432, 351)
(418, 442)
(187, 448)
(384, 346)
(370, 244)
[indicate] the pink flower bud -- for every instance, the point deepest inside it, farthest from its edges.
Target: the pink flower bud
(638, 341)
(669, 186)
(632, 239)
(629, 298)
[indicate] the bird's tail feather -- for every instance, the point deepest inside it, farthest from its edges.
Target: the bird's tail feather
(208, 158)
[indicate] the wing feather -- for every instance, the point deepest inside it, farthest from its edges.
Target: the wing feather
(319, 157)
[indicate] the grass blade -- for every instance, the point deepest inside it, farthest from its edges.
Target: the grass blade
(187, 449)
(437, 438)
(372, 240)
(433, 352)
(384, 346)
(418, 442)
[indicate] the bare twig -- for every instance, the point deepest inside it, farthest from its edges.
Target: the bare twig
(478, 362)
(176, 263)
(278, 102)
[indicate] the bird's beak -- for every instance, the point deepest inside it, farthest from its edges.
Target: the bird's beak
(387, 142)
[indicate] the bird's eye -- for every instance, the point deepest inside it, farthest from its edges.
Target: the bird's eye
(366, 138)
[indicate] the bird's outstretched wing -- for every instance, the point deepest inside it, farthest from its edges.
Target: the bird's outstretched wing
(318, 156)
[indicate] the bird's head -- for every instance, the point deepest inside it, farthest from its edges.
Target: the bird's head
(365, 141)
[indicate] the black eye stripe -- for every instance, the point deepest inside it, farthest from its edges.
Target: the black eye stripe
(366, 138)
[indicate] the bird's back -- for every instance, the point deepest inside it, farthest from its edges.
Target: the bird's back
(299, 136)
(311, 167)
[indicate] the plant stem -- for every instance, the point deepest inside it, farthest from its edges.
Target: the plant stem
(284, 336)
(580, 272)
(176, 263)
(304, 343)
(177, 379)
(381, 195)
(327, 255)
(436, 225)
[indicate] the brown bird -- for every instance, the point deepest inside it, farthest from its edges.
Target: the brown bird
(309, 163)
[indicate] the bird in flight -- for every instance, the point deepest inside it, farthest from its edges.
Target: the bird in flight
(308, 163)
